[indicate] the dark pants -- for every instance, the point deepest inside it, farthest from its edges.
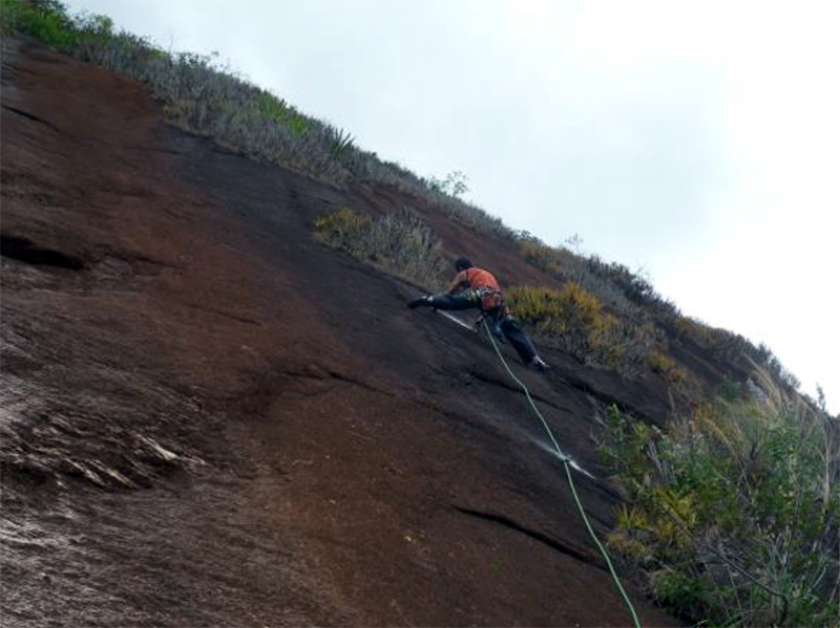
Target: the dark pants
(511, 329)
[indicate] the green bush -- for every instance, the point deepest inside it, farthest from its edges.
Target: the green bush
(455, 184)
(735, 513)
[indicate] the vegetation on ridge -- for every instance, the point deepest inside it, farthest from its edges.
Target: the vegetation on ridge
(206, 98)
(656, 322)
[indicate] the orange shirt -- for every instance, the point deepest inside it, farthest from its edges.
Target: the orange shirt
(477, 278)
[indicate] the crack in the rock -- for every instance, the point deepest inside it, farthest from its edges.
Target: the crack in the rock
(553, 543)
(25, 250)
(510, 387)
(603, 398)
(152, 149)
(32, 117)
(350, 380)
(234, 317)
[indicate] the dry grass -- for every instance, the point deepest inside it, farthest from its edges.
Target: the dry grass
(574, 320)
(400, 244)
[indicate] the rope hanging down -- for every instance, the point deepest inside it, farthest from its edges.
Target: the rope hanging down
(566, 465)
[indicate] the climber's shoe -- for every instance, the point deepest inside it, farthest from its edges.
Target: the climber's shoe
(425, 301)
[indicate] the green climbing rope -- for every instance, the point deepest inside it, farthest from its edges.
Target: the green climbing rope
(565, 459)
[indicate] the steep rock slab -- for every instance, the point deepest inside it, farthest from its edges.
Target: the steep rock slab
(211, 419)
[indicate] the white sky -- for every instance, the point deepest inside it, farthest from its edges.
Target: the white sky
(699, 141)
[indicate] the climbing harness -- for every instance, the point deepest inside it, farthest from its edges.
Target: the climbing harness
(490, 298)
(568, 465)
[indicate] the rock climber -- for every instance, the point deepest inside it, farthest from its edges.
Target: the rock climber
(476, 288)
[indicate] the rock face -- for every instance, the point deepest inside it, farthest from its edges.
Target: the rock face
(208, 418)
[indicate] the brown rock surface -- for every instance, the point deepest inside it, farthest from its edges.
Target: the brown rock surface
(210, 419)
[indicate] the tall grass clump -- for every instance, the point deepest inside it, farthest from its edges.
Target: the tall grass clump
(400, 244)
(575, 320)
(734, 514)
(206, 98)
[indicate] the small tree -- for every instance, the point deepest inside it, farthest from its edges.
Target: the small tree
(454, 184)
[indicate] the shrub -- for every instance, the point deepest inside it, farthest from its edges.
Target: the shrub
(735, 513)
(48, 22)
(636, 330)
(729, 390)
(572, 319)
(575, 320)
(400, 244)
(455, 184)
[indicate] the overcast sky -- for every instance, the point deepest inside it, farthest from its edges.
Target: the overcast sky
(698, 141)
